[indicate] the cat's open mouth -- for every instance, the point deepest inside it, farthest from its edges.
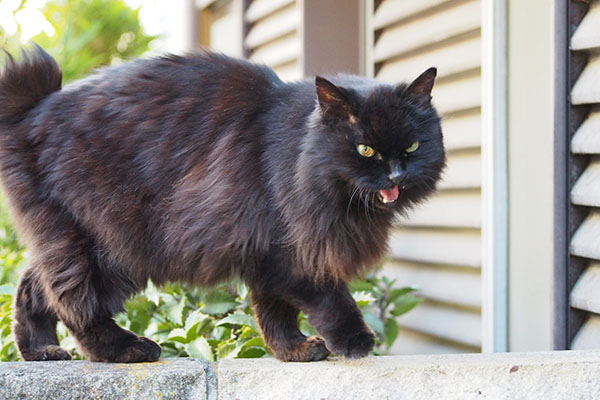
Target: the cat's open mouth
(388, 196)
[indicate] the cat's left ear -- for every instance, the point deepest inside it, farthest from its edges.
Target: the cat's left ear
(333, 100)
(422, 86)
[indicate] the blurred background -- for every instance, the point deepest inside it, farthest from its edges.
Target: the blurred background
(504, 256)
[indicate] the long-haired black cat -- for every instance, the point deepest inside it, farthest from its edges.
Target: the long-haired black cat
(199, 168)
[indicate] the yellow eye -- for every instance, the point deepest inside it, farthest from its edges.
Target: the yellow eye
(413, 147)
(365, 151)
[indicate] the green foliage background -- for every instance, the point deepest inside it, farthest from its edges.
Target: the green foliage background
(209, 324)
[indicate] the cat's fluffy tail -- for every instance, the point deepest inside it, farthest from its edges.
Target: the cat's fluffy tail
(24, 83)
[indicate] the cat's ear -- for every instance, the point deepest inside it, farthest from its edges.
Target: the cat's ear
(422, 86)
(333, 100)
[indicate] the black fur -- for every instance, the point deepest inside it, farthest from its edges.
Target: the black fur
(198, 168)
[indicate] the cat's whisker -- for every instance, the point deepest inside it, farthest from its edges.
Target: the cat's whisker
(356, 189)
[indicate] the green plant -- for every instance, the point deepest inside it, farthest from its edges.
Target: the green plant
(219, 323)
(88, 34)
(12, 257)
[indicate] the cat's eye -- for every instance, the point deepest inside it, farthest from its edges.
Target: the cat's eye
(365, 151)
(413, 147)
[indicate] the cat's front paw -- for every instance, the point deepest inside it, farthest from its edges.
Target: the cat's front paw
(355, 345)
(309, 349)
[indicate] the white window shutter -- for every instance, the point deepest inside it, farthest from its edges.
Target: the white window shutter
(585, 242)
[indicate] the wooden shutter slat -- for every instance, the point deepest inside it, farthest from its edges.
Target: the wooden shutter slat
(585, 242)
(587, 138)
(586, 191)
(587, 34)
(278, 52)
(261, 8)
(459, 286)
(200, 4)
(587, 88)
(281, 23)
(586, 292)
(457, 94)
(450, 247)
(462, 131)
(463, 171)
(403, 38)
(411, 342)
(452, 58)
(460, 208)
(392, 11)
(458, 325)
(289, 72)
(588, 337)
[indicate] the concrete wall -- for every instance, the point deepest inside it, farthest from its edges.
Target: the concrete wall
(550, 375)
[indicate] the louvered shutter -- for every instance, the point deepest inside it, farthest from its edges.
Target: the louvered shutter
(439, 247)
(585, 193)
(273, 36)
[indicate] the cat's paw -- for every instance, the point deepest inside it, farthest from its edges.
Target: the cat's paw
(354, 345)
(134, 350)
(48, 353)
(310, 349)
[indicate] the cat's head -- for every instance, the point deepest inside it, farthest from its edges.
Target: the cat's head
(383, 142)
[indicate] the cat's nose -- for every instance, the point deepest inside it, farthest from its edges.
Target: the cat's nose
(397, 173)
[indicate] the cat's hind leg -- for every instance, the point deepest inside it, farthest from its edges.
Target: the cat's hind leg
(278, 321)
(85, 288)
(35, 321)
(92, 292)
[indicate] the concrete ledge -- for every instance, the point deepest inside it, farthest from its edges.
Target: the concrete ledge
(177, 379)
(551, 375)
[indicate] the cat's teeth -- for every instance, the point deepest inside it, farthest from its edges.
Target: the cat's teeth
(389, 195)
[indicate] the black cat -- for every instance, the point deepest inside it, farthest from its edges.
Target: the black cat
(198, 168)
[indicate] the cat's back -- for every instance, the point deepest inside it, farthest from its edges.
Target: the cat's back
(149, 117)
(119, 148)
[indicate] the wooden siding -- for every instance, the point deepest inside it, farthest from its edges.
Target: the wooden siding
(438, 248)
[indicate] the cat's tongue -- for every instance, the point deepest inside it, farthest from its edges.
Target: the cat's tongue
(389, 195)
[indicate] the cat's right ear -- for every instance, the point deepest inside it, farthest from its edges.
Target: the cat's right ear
(332, 99)
(422, 86)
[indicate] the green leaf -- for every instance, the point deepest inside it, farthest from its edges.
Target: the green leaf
(252, 352)
(229, 349)
(360, 286)
(218, 308)
(242, 290)
(254, 342)
(387, 281)
(404, 304)
(222, 332)
(391, 332)
(200, 348)
(395, 293)
(178, 335)
(192, 322)
(174, 310)
(239, 319)
(247, 332)
(374, 322)
(152, 293)
(219, 302)
(306, 328)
